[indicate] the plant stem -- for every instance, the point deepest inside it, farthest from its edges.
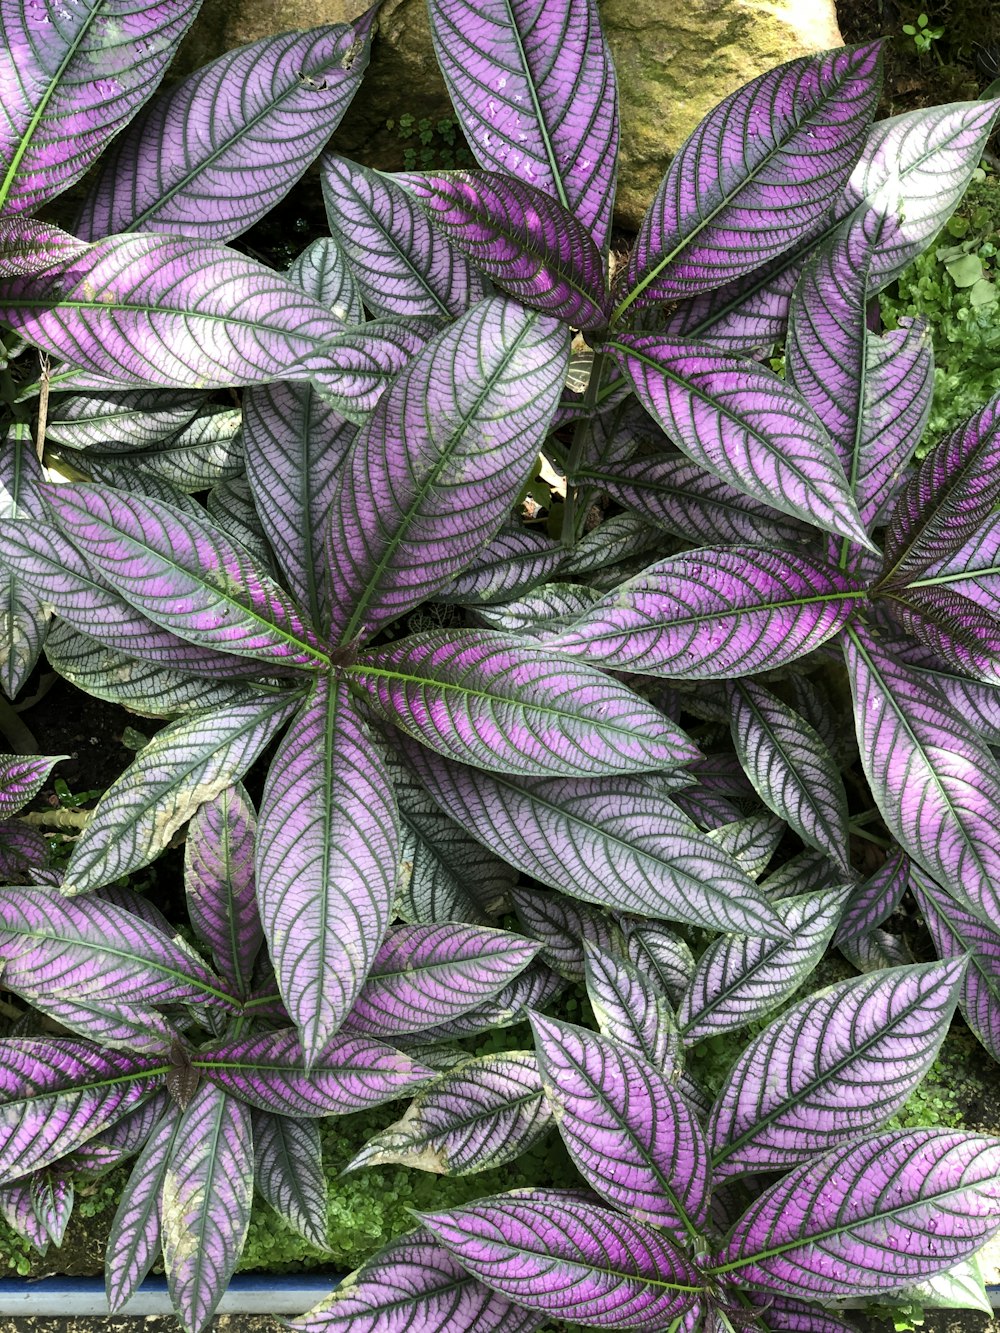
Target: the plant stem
(581, 434)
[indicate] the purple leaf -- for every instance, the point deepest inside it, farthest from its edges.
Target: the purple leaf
(524, 240)
(402, 265)
(957, 630)
(791, 769)
(322, 271)
(241, 131)
(55, 1093)
(122, 1139)
(187, 763)
(349, 1073)
(515, 560)
(22, 777)
(16, 1208)
(231, 506)
(875, 899)
(414, 1283)
(425, 975)
(973, 569)
(750, 841)
(615, 842)
(626, 1127)
(743, 424)
(288, 1173)
(556, 1253)
(934, 781)
(185, 575)
(869, 1217)
(954, 491)
(714, 613)
(833, 1067)
(543, 611)
(561, 925)
(23, 850)
(325, 861)
(473, 408)
(24, 617)
(483, 1115)
(352, 370)
(609, 548)
(72, 78)
(52, 1202)
(531, 989)
(663, 957)
(535, 92)
(784, 1314)
(137, 418)
(28, 246)
(169, 310)
(486, 698)
(295, 445)
(205, 1203)
(756, 175)
(631, 1009)
(740, 978)
(134, 1242)
(219, 884)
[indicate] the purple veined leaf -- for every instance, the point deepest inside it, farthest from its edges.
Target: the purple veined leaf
(326, 856)
(953, 492)
(205, 1203)
(134, 1241)
(295, 445)
(741, 978)
(480, 1116)
(141, 687)
(22, 777)
(185, 575)
(206, 450)
(186, 764)
(23, 851)
(231, 507)
(536, 95)
(353, 370)
(323, 272)
(114, 1024)
(876, 951)
(662, 956)
(609, 547)
(616, 842)
(28, 246)
(720, 792)
(402, 265)
(473, 407)
(973, 569)
(960, 632)
(219, 884)
(714, 613)
(875, 899)
(756, 176)
(630, 1009)
(791, 769)
(541, 612)
(55, 948)
(576, 1260)
(523, 239)
(288, 1173)
(533, 988)
(686, 501)
(958, 933)
(812, 698)
(978, 704)
(136, 417)
(146, 485)
(750, 841)
(241, 132)
(24, 617)
(934, 781)
(487, 698)
(444, 873)
(833, 1067)
(423, 976)
(873, 394)
(72, 79)
(173, 311)
(349, 1073)
(17, 1211)
(515, 560)
(561, 925)
(744, 425)
(122, 1139)
(784, 1314)
(869, 1217)
(52, 1196)
(55, 1093)
(413, 1282)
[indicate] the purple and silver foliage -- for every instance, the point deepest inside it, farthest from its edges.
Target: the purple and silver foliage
(441, 766)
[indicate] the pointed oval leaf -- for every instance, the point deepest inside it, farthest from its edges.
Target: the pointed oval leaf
(242, 130)
(24, 616)
(740, 978)
(28, 246)
(714, 613)
(473, 408)
(832, 1067)
(875, 899)
(544, 610)
(134, 417)
(486, 698)
(960, 632)
(627, 1128)
(72, 77)
(525, 241)
(17, 1211)
(533, 988)
(402, 265)
(631, 1010)
(659, 954)
(562, 925)
(134, 1242)
(515, 560)
(322, 271)
(534, 87)
(288, 1173)
(22, 776)
(745, 425)
(756, 175)
(122, 1139)
(483, 1115)
(325, 861)
(869, 1217)
(552, 1251)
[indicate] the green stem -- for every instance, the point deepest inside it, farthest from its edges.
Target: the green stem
(581, 435)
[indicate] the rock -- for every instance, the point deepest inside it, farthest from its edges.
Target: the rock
(675, 62)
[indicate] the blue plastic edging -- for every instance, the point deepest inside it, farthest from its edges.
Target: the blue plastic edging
(293, 1294)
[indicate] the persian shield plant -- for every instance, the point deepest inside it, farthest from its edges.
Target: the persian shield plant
(282, 513)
